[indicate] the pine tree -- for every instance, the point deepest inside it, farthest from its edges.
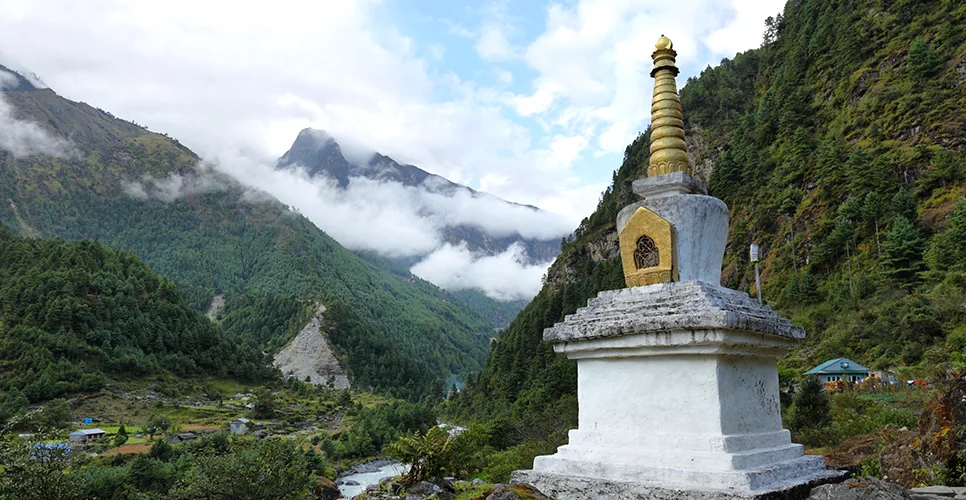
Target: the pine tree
(810, 406)
(903, 204)
(922, 60)
(121, 436)
(945, 170)
(904, 251)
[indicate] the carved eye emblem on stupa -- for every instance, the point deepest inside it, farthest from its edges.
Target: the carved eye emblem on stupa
(646, 255)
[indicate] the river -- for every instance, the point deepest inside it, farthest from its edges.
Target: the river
(352, 485)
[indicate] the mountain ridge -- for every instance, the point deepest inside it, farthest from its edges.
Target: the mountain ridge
(320, 154)
(203, 229)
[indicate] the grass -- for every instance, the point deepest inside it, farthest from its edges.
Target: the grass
(473, 492)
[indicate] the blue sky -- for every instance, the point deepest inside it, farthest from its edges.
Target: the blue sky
(533, 101)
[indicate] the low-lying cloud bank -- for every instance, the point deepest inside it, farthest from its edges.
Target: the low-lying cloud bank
(387, 218)
(22, 138)
(505, 276)
(174, 186)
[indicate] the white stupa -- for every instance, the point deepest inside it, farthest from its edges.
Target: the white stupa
(677, 378)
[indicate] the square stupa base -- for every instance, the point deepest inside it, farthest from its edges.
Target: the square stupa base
(576, 487)
(677, 386)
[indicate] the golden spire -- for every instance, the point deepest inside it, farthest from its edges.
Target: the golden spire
(669, 152)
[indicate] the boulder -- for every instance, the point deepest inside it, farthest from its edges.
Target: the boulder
(445, 483)
(478, 482)
(425, 489)
(515, 492)
(863, 488)
(325, 489)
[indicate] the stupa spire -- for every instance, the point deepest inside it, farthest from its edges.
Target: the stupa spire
(669, 152)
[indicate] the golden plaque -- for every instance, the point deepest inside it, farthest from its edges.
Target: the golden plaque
(647, 249)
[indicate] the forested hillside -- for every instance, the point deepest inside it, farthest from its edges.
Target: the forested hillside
(74, 313)
(144, 192)
(838, 147)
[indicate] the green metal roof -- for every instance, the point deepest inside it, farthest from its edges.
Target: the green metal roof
(838, 365)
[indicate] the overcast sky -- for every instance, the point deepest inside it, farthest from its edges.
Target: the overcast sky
(533, 101)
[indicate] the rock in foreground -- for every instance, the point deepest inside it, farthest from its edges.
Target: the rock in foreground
(864, 488)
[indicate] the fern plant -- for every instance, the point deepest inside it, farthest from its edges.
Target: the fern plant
(426, 454)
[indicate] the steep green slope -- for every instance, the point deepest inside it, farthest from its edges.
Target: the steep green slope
(842, 156)
(212, 235)
(72, 313)
(838, 147)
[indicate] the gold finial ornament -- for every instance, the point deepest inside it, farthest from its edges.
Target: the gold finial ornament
(669, 152)
(663, 43)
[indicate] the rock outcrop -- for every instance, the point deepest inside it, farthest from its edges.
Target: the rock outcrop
(309, 356)
(216, 307)
(864, 488)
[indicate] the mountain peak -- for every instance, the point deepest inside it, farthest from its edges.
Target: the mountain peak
(314, 134)
(314, 147)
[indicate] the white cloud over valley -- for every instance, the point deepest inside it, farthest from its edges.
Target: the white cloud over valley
(505, 276)
(385, 217)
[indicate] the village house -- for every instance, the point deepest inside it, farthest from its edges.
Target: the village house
(182, 437)
(85, 436)
(839, 369)
(238, 426)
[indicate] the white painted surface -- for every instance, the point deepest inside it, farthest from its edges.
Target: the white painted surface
(680, 409)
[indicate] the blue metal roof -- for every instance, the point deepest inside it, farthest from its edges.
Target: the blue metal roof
(838, 365)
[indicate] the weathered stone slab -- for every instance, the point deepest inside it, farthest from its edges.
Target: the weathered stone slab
(568, 487)
(668, 185)
(666, 307)
(863, 488)
(944, 491)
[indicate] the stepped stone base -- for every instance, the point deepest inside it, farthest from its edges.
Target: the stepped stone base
(572, 487)
(677, 385)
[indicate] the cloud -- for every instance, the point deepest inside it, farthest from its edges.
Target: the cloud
(174, 186)
(398, 221)
(493, 45)
(22, 138)
(593, 58)
(506, 276)
(437, 51)
(219, 74)
(386, 216)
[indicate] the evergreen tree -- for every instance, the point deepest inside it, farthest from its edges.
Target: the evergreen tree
(121, 436)
(265, 403)
(922, 61)
(904, 251)
(904, 204)
(947, 251)
(810, 407)
(945, 170)
(12, 403)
